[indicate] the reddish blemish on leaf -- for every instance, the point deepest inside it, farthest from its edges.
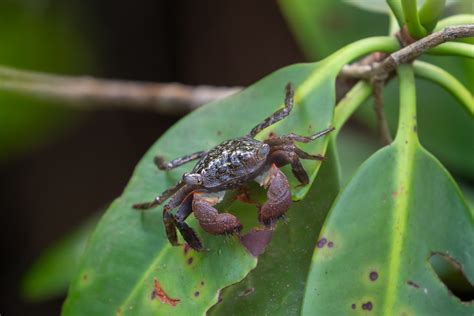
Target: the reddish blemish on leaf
(160, 294)
(190, 260)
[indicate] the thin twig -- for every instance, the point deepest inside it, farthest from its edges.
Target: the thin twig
(408, 53)
(175, 98)
(167, 98)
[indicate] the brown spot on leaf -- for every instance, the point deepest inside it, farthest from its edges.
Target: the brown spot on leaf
(202, 282)
(330, 244)
(247, 292)
(373, 276)
(367, 306)
(256, 241)
(411, 283)
(118, 312)
(353, 306)
(160, 294)
(85, 276)
(196, 294)
(321, 242)
(186, 248)
(190, 260)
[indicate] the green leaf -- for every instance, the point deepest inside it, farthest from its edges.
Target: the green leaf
(276, 286)
(364, 225)
(129, 250)
(49, 276)
(401, 207)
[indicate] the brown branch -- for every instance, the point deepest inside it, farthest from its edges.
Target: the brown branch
(175, 98)
(407, 53)
(166, 98)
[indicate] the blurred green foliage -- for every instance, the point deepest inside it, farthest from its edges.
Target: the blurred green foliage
(35, 35)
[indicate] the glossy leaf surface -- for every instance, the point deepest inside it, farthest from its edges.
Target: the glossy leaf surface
(129, 249)
(400, 208)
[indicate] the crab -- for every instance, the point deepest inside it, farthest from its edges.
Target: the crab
(231, 165)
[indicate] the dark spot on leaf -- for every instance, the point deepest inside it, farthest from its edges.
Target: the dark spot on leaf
(411, 283)
(202, 282)
(256, 241)
(272, 135)
(451, 274)
(196, 294)
(353, 306)
(247, 291)
(414, 128)
(190, 260)
(330, 244)
(219, 133)
(321, 242)
(85, 276)
(160, 294)
(118, 312)
(186, 248)
(367, 306)
(373, 276)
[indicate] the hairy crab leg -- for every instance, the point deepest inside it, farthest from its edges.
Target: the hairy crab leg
(278, 115)
(163, 165)
(306, 139)
(161, 198)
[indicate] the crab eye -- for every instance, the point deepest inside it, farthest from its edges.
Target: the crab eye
(192, 178)
(263, 151)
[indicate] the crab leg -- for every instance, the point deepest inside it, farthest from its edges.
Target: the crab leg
(168, 219)
(178, 221)
(278, 197)
(278, 115)
(162, 165)
(161, 198)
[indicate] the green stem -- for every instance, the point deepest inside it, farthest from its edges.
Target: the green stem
(430, 13)
(453, 49)
(448, 82)
(454, 20)
(412, 19)
(344, 56)
(407, 129)
(351, 101)
(397, 10)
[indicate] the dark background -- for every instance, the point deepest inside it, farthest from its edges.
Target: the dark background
(49, 190)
